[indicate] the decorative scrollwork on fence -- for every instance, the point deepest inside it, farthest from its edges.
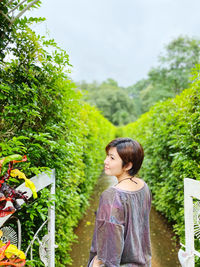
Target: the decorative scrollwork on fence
(196, 218)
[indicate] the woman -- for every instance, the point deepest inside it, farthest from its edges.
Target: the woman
(121, 236)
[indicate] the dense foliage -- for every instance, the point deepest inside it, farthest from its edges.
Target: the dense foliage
(170, 135)
(170, 77)
(111, 99)
(44, 117)
(122, 105)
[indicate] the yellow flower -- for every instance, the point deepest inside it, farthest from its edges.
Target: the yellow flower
(28, 183)
(13, 250)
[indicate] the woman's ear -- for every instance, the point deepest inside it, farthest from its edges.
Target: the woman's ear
(128, 166)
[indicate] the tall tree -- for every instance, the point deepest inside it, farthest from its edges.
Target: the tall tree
(173, 73)
(134, 93)
(10, 12)
(171, 76)
(112, 100)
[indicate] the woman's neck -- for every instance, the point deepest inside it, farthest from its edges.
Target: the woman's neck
(124, 176)
(129, 178)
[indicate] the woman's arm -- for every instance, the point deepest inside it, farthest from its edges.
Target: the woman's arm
(109, 231)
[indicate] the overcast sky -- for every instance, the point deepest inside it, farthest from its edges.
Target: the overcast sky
(119, 39)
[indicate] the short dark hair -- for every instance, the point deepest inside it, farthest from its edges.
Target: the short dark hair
(129, 150)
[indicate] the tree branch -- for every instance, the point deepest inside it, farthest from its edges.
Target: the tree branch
(5, 16)
(17, 6)
(24, 10)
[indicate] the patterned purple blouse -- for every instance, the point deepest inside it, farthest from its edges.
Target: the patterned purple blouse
(121, 235)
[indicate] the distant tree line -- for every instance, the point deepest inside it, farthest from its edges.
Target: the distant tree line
(122, 105)
(112, 100)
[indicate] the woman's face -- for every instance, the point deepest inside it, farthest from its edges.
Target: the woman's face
(113, 163)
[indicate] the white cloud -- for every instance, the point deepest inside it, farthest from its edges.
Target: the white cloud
(120, 39)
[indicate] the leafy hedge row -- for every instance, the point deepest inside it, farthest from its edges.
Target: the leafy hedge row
(170, 134)
(73, 146)
(43, 116)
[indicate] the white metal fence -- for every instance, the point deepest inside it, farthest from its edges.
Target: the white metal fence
(192, 221)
